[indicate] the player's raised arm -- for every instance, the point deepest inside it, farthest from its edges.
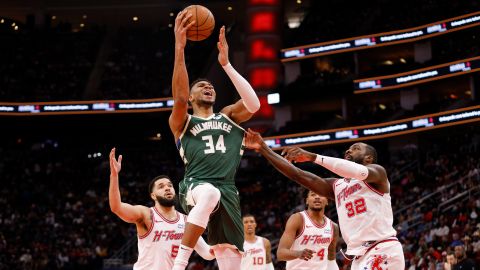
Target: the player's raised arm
(180, 86)
(312, 182)
(249, 103)
(358, 164)
(292, 229)
(125, 211)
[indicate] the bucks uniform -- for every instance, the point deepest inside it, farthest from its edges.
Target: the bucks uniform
(211, 149)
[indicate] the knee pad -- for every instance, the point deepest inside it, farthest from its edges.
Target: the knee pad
(204, 198)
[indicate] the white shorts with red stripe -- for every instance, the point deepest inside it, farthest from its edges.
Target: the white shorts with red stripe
(386, 255)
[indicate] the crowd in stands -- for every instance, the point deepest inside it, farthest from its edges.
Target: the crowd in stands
(54, 202)
(46, 65)
(339, 71)
(137, 65)
(332, 76)
(57, 64)
(140, 64)
(332, 20)
(444, 49)
(56, 214)
(448, 180)
(368, 113)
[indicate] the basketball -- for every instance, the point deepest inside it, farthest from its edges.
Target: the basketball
(204, 23)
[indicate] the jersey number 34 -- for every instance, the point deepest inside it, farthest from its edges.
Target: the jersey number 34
(211, 147)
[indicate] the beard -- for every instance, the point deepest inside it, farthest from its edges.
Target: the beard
(206, 103)
(166, 202)
(358, 160)
(314, 209)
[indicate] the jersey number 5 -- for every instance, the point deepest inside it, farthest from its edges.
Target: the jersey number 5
(174, 251)
(356, 207)
(211, 148)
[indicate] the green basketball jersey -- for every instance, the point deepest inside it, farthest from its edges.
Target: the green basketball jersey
(211, 148)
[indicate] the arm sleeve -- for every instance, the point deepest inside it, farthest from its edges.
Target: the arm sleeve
(244, 89)
(342, 167)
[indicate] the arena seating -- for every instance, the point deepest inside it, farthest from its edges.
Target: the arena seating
(62, 192)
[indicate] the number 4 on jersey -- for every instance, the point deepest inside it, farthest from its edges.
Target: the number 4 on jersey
(219, 146)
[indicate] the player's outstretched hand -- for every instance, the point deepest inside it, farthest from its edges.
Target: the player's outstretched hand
(115, 165)
(181, 27)
(222, 47)
(297, 154)
(253, 140)
(305, 254)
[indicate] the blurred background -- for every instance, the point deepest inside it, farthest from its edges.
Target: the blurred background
(79, 77)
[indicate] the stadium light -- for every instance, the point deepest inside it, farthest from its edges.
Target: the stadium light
(273, 98)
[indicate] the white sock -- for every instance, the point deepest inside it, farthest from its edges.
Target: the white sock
(181, 260)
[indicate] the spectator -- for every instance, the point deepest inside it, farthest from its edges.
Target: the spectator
(463, 263)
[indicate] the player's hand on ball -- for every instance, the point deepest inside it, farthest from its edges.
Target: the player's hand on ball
(115, 165)
(305, 254)
(253, 140)
(296, 154)
(181, 27)
(222, 46)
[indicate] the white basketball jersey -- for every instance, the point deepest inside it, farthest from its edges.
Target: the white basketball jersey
(254, 255)
(315, 237)
(364, 214)
(158, 248)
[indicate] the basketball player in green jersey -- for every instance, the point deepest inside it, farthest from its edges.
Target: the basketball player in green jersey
(211, 146)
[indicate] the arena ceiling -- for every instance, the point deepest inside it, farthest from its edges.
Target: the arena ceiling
(121, 12)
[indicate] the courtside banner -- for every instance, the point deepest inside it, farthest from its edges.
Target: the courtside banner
(417, 76)
(377, 131)
(381, 39)
(86, 107)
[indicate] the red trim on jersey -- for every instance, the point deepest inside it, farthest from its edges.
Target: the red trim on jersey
(151, 226)
(314, 223)
(303, 227)
(373, 189)
(383, 241)
(167, 220)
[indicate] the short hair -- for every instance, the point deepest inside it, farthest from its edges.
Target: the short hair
(305, 193)
(199, 80)
(372, 151)
(248, 215)
(152, 182)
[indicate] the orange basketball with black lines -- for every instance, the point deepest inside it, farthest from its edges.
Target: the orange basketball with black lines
(204, 23)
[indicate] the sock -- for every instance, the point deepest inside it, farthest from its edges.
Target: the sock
(181, 260)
